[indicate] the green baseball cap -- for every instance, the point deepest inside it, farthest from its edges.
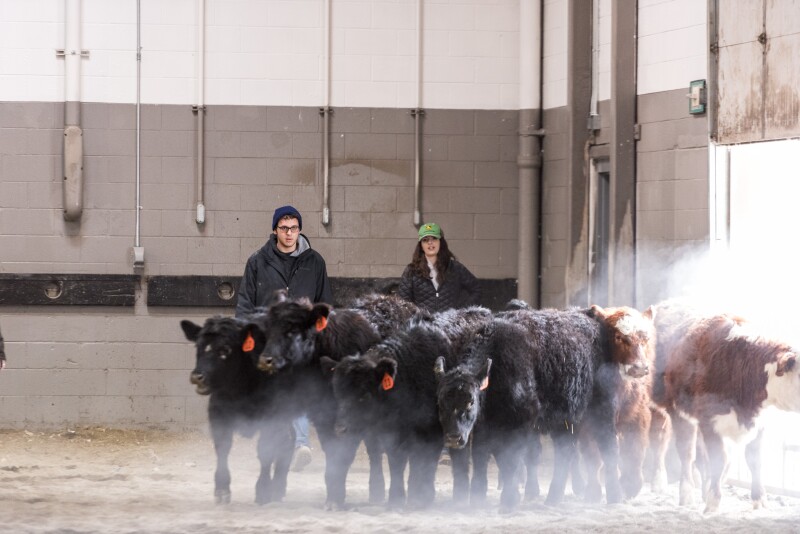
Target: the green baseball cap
(430, 229)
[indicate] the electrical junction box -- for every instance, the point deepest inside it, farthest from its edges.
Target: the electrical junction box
(697, 97)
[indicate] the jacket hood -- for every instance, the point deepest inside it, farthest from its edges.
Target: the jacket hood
(271, 246)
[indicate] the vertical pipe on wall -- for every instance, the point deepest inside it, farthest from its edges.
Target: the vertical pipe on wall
(138, 250)
(417, 113)
(200, 217)
(529, 157)
(72, 187)
(325, 110)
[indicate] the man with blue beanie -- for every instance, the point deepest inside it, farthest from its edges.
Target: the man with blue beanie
(286, 261)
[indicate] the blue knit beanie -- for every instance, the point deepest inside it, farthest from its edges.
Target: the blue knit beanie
(282, 212)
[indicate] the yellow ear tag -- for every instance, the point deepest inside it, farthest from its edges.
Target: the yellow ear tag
(388, 382)
(249, 343)
(485, 383)
(322, 322)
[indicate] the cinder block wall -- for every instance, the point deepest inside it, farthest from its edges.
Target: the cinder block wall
(130, 366)
(672, 198)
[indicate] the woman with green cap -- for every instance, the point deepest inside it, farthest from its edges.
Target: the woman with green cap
(434, 279)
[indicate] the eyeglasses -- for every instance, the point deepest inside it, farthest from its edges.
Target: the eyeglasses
(289, 229)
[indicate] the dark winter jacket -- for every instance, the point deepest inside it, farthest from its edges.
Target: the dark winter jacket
(460, 289)
(302, 274)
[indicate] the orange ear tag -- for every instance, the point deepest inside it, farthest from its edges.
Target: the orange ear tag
(322, 322)
(249, 343)
(485, 383)
(388, 382)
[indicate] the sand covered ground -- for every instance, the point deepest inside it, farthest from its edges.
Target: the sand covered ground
(90, 480)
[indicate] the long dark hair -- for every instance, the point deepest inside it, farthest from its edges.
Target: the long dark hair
(419, 263)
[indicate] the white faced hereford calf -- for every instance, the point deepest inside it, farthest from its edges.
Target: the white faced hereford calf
(719, 378)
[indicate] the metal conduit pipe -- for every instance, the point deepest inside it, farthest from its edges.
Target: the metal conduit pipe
(417, 113)
(326, 111)
(529, 157)
(72, 187)
(138, 250)
(200, 216)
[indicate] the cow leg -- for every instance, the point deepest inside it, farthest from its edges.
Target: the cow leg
(564, 445)
(459, 462)
(508, 454)
(686, 445)
(340, 451)
(283, 461)
(717, 464)
(660, 431)
(480, 468)
(222, 434)
(422, 472)
(609, 448)
(533, 451)
(377, 484)
(590, 456)
(398, 458)
(752, 454)
(633, 446)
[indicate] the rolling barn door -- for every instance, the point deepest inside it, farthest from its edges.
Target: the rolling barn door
(757, 201)
(756, 187)
(758, 93)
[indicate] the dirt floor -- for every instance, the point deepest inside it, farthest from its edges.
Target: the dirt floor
(125, 481)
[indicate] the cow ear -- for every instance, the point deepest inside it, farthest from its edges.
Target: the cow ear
(438, 367)
(318, 316)
(649, 313)
(597, 311)
(385, 373)
(327, 365)
(190, 330)
(483, 374)
(786, 362)
(253, 339)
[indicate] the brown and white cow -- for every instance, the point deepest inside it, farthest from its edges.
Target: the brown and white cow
(632, 337)
(719, 376)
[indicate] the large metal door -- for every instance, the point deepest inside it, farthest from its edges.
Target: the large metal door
(758, 73)
(754, 227)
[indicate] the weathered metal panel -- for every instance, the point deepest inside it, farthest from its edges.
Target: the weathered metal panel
(740, 102)
(740, 21)
(782, 88)
(758, 82)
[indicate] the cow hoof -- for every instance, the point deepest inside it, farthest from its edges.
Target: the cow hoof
(593, 494)
(222, 496)
(711, 506)
(759, 503)
(335, 507)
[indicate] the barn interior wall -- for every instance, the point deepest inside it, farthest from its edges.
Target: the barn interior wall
(672, 201)
(121, 367)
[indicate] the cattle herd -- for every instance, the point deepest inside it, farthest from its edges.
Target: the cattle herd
(605, 384)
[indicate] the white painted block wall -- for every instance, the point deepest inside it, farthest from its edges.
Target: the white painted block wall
(269, 52)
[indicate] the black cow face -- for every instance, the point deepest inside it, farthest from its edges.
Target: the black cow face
(289, 339)
(460, 394)
(219, 355)
(358, 383)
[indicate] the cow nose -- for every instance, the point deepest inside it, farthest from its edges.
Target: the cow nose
(265, 363)
(638, 371)
(196, 378)
(454, 441)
